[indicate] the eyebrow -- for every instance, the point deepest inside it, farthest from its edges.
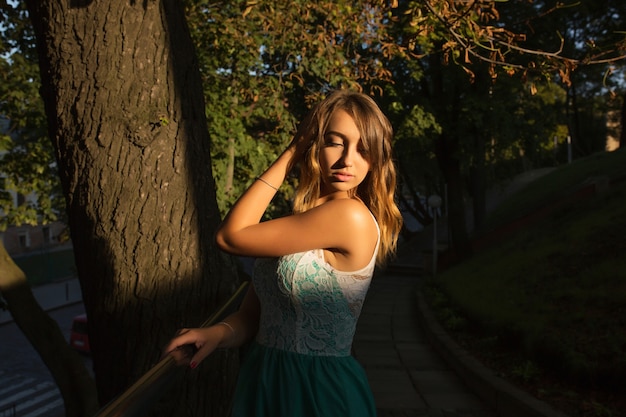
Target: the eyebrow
(334, 133)
(340, 135)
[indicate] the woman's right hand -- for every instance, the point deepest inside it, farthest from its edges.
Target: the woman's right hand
(301, 142)
(191, 346)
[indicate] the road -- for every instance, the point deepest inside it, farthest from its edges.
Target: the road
(26, 386)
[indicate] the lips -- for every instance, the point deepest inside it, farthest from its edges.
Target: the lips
(342, 176)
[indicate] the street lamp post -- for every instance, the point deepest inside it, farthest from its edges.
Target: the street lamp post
(434, 202)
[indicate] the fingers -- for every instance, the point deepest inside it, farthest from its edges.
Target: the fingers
(181, 348)
(182, 355)
(191, 346)
(200, 354)
(302, 140)
(183, 337)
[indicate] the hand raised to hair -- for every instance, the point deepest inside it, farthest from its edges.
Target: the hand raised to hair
(302, 141)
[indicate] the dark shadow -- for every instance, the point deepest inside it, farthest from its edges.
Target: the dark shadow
(144, 394)
(74, 4)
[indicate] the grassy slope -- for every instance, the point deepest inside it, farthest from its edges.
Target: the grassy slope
(551, 300)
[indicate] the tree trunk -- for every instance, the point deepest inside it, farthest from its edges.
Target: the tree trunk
(446, 147)
(230, 168)
(481, 125)
(66, 366)
(122, 92)
(416, 209)
(477, 172)
(479, 194)
(573, 113)
(451, 169)
(622, 136)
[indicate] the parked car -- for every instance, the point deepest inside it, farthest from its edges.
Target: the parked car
(79, 339)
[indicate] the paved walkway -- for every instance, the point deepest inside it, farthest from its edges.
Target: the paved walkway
(414, 367)
(407, 376)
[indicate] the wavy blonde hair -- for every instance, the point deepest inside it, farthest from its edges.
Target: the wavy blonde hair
(378, 188)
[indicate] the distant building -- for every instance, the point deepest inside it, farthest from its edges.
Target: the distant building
(20, 240)
(23, 239)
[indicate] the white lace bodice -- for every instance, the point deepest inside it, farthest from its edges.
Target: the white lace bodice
(307, 306)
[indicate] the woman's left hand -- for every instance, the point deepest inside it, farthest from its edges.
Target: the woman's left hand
(191, 346)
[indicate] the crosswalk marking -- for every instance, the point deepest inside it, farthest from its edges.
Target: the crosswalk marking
(38, 400)
(57, 403)
(13, 387)
(26, 397)
(25, 393)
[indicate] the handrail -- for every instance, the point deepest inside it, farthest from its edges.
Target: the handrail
(133, 401)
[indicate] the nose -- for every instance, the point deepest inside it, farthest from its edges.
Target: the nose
(349, 154)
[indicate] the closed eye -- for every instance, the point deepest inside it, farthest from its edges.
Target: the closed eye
(333, 141)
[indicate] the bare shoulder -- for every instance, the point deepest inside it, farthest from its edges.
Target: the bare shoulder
(355, 233)
(350, 212)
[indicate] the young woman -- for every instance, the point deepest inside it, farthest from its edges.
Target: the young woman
(314, 266)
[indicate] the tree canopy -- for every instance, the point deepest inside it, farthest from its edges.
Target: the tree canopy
(263, 64)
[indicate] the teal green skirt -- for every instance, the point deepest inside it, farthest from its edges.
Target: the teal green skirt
(277, 383)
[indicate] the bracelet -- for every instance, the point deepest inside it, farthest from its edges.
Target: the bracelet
(266, 183)
(227, 325)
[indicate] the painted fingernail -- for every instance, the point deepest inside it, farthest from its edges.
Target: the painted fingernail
(193, 365)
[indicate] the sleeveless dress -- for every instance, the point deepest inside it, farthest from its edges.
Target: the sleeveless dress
(300, 364)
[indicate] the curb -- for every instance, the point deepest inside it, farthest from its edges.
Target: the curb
(505, 399)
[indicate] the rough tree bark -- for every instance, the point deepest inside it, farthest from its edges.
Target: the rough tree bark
(66, 366)
(122, 93)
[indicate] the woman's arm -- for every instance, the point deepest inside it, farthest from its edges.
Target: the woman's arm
(250, 207)
(344, 225)
(234, 331)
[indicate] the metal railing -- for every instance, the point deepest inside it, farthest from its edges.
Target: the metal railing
(141, 396)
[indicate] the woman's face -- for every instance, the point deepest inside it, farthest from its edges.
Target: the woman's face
(343, 162)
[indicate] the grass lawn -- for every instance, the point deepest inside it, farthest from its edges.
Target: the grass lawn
(547, 306)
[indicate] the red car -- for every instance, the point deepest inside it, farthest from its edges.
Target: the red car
(79, 339)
